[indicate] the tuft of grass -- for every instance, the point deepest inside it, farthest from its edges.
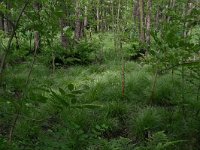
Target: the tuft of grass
(137, 86)
(147, 120)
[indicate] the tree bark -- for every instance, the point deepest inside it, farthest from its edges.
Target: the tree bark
(78, 23)
(135, 10)
(148, 22)
(2, 22)
(7, 24)
(85, 17)
(63, 37)
(37, 8)
(98, 16)
(141, 20)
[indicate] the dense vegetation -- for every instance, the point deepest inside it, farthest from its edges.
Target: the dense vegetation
(99, 75)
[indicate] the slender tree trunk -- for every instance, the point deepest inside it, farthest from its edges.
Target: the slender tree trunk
(63, 37)
(118, 15)
(102, 20)
(78, 24)
(148, 21)
(37, 7)
(98, 16)
(63, 22)
(136, 12)
(36, 40)
(2, 22)
(118, 39)
(141, 20)
(7, 24)
(113, 17)
(85, 17)
(113, 27)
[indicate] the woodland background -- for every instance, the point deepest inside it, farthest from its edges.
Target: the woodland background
(99, 74)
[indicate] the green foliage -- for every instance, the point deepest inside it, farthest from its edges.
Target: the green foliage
(115, 144)
(68, 95)
(147, 121)
(70, 98)
(159, 141)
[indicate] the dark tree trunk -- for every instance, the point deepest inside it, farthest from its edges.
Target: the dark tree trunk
(7, 23)
(135, 11)
(63, 37)
(2, 22)
(78, 24)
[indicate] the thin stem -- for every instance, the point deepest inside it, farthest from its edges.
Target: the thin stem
(13, 126)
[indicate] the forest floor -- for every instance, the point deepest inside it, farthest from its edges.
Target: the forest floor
(82, 107)
(97, 114)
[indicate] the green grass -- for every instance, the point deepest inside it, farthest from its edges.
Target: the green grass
(119, 120)
(121, 123)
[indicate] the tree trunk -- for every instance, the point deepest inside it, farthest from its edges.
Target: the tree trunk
(135, 10)
(113, 27)
(36, 40)
(2, 22)
(98, 16)
(141, 20)
(78, 25)
(85, 17)
(148, 22)
(63, 37)
(37, 7)
(7, 24)
(63, 22)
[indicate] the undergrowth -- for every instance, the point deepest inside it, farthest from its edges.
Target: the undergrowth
(83, 108)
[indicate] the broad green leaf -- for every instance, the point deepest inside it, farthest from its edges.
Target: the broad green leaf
(60, 99)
